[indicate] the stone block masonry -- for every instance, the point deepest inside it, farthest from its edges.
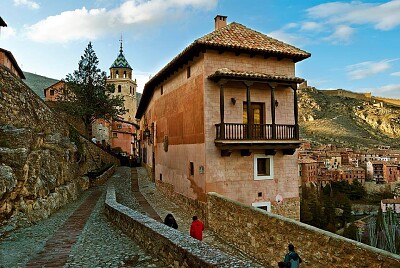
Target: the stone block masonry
(43, 161)
(175, 248)
(266, 236)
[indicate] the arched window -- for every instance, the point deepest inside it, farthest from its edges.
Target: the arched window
(116, 74)
(124, 74)
(119, 88)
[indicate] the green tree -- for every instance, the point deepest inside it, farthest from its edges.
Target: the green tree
(86, 94)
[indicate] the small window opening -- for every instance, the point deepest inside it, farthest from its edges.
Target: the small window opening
(259, 194)
(124, 74)
(160, 177)
(188, 71)
(51, 92)
(119, 88)
(191, 169)
(162, 89)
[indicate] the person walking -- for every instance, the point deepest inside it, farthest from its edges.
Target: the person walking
(170, 221)
(196, 229)
(292, 259)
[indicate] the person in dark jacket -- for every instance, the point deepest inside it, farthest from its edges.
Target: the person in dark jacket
(292, 259)
(170, 221)
(196, 229)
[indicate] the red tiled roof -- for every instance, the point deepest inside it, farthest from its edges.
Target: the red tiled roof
(228, 73)
(235, 35)
(391, 201)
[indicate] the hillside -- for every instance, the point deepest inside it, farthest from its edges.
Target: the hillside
(37, 83)
(347, 122)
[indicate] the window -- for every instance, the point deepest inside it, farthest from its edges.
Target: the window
(119, 126)
(162, 89)
(116, 74)
(263, 167)
(188, 72)
(191, 169)
(51, 92)
(115, 134)
(124, 74)
(119, 88)
(160, 177)
(262, 205)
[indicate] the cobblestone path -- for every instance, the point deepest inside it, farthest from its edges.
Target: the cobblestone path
(81, 236)
(99, 244)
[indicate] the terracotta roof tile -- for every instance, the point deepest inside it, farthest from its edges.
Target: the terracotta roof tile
(235, 35)
(225, 73)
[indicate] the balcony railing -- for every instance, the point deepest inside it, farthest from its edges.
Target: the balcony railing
(233, 131)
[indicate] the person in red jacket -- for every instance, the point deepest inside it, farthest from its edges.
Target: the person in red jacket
(196, 229)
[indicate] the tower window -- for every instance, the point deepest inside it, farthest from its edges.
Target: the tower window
(119, 88)
(116, 74)
(124, 74)
(188, 71)
(162, 89)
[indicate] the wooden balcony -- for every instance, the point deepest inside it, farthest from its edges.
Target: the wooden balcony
(271, 137)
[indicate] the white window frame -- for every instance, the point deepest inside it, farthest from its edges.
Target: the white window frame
(262, 204)
(271, 159)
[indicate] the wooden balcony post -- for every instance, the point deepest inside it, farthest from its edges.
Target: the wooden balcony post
(273, 86)
(296, 113)
(222, 109)
(248, 100)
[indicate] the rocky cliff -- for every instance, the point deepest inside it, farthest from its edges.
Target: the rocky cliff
(42, 159)
(347, 121)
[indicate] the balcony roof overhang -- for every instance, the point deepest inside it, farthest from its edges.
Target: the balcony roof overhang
(233, 75)
(257, 145)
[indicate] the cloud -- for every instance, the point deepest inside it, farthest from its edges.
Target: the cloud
(382, 16)
(389, 91)
(27, 3)
(91, 24)
(395, 74)
(342, 33)
(290, 38)
(311, 26)
(368, 68)
(7, 33)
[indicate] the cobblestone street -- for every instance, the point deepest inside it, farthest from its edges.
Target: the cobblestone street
(97, 243)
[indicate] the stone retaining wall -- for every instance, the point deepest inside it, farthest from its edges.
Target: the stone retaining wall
(266, 236)
(193, 207)
(172, 246)
(103, 177)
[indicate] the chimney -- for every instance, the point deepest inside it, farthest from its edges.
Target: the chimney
(220, 21)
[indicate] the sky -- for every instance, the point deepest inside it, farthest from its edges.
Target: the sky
(354, 45)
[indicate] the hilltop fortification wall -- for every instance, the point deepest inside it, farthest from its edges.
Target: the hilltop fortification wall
(42, 159)
(349, 94)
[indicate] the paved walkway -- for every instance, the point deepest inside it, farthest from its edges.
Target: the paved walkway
(79, 235)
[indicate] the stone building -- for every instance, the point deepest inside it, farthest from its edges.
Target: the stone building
(308, 170)
(7, 59)
(123, 131)
(222, 117)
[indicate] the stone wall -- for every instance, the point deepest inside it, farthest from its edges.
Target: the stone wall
(193, 207)
(266, 236)
(173, 247)
(42, 159)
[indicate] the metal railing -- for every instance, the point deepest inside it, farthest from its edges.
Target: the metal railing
(235, 131)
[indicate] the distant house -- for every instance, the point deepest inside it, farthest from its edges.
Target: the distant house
(391, 204)
(222, 117)
(7, 59)
(52, 92)
(308, 170)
